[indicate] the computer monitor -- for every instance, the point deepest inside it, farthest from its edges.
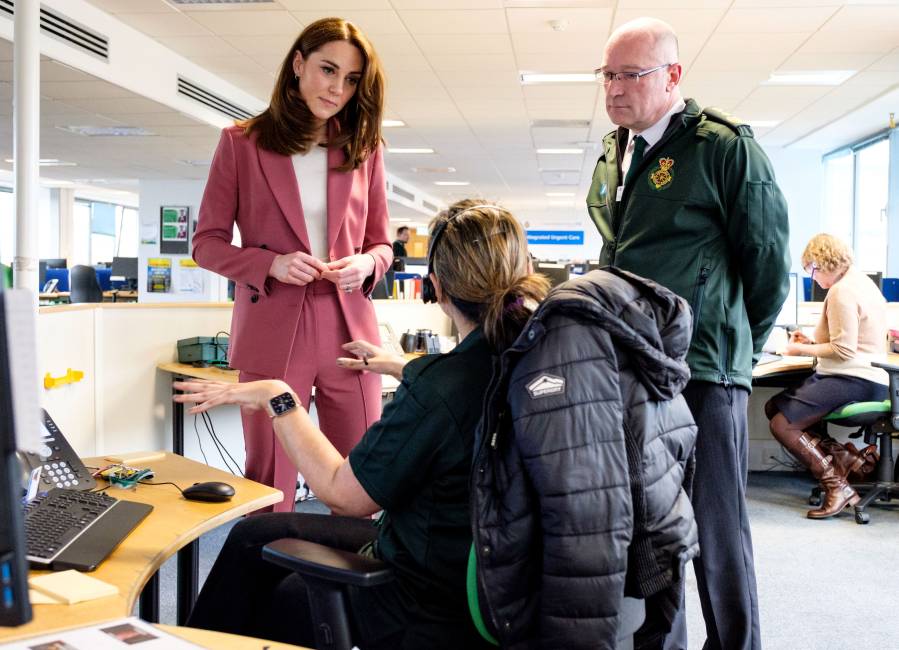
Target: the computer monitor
(55, 262)
(124, 269)
(876, 278)
(789, 313)
(555, 272)
(19, 413)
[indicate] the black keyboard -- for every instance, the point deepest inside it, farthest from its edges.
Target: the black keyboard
(71, 529)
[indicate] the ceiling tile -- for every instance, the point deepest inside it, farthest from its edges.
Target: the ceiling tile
(170, 24)
(537, 21)
(370, 22)
(190, 46)
(337, 6)
(481, 21)
(683, 19)
(783, 19)
(831, 42)
(441, 44)
(479, 62)
(559, 42)
(804, 60)
(447, 4)
(865, 19)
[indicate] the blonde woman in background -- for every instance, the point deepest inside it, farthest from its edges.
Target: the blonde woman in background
(849, 336)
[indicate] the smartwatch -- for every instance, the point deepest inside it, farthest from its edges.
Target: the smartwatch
(281, 404)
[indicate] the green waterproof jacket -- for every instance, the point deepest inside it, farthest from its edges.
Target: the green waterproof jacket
(704, 217)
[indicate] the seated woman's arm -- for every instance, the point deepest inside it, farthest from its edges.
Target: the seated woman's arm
(324, 469)
(842, 325)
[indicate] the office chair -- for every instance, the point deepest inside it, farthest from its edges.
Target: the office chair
(84, 286)
(327, 571)
(878, 422)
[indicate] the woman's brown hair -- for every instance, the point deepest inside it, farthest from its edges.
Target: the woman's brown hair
(482, 263)
(287, 126)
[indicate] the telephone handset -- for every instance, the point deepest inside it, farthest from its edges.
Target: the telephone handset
(60, 465)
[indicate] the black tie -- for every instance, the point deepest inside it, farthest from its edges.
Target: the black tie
(636, 157)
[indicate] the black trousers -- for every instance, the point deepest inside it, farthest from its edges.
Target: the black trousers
(725, 570)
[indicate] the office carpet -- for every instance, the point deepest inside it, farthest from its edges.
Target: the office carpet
(823, 585)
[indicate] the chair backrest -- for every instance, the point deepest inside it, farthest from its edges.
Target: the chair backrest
(83, 284)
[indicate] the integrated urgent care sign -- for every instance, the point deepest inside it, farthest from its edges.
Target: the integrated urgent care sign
(556, 237)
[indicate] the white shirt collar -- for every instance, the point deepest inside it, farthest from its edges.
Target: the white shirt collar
(654, 133)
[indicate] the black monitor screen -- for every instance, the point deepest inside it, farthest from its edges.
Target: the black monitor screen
(124, 268)
(556, 273)
(18, 412)
(55, 262)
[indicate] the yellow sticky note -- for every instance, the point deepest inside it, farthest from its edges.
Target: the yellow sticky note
(70, 587)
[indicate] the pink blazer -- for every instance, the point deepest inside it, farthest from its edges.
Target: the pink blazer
(257, 190)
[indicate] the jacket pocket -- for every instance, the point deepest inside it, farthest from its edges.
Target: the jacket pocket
(759, 195)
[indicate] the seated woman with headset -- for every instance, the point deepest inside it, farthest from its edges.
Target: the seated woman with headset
(413, 464)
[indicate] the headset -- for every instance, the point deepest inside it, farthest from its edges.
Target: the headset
(428, 294)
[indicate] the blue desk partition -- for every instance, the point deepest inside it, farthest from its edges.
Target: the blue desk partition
(890, 289)
(807, 289)
(103, 278)
(60, 274)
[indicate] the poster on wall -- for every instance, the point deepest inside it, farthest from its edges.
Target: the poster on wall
(190, 278)
(159, 275)
(174, 229)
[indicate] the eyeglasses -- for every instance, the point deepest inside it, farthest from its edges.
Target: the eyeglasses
(607, 77)
(811, 270)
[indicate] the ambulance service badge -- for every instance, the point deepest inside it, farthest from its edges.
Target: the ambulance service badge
(660, 177)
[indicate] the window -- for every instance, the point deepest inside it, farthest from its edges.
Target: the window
(104, 231)
(855, 200)
(7, 226)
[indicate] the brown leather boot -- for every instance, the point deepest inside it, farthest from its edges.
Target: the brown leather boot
(806, 448)
(850, 462)
(837, 495)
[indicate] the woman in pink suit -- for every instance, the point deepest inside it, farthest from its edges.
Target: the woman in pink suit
(304, 182)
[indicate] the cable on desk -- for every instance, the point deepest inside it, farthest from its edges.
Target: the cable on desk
(162, 483)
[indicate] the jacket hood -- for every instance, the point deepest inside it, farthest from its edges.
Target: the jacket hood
(652, 323)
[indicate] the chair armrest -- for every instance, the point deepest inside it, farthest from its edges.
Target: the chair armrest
(326, 563)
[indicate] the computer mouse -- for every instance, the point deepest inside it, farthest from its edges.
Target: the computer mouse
(209, 491)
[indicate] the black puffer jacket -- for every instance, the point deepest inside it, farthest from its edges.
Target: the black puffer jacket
(580, 462)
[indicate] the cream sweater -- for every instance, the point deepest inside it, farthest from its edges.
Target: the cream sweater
(853, 329)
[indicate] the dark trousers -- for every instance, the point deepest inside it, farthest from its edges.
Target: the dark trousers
(725, 572)
(246, 595)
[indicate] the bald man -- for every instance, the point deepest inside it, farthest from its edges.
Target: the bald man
(686, 197)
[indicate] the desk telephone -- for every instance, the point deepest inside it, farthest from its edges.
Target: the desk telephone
(60, 465)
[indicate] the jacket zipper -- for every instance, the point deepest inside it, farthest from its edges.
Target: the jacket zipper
(698, 294)
(724, 346)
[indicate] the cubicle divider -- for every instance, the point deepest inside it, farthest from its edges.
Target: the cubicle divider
(123, 403)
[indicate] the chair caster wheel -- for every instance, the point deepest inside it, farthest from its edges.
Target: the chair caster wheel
(862, 517)
(814, 500)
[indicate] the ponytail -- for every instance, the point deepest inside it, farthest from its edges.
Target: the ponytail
(506, 313)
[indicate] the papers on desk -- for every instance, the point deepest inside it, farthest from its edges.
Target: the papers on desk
(106, 636)
(67, 588)
(784, 364)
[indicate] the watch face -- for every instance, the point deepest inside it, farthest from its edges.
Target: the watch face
(282, 403)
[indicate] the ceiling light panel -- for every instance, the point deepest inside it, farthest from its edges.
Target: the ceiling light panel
(809, 77)
(529, 78)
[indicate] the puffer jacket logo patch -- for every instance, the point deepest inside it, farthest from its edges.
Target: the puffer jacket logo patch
(546, 385)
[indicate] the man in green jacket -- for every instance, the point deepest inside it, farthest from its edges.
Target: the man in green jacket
(687, 198)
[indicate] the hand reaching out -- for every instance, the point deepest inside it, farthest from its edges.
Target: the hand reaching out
(372, 358)
(252, 395)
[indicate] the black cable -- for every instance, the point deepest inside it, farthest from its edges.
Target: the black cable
(219, 443)
(163, 483)
(207, 420)
(199, 442)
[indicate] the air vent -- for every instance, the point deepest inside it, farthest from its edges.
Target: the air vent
(430, 206)
(406, 194)
(210, 99)
(561, 124)
(67, 30)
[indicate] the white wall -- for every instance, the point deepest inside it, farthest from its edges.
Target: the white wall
(153, 195)
(800, 175)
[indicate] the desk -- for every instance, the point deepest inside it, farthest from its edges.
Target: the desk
(173, 526)
(783, 373)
